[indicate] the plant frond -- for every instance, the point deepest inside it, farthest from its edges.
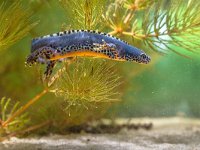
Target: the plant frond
(6, 110)
(87, 82)
(138, 4)
(165, 25)
(116, 15)
(15, 23)
(84, 14)
(176, 28)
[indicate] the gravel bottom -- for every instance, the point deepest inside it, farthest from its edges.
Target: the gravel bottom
(166, 134)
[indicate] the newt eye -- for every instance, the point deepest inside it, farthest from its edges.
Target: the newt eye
(143, 56)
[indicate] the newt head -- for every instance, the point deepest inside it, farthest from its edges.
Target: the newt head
(41, 55)
(143, 58)
(31, 59)
(134, 54)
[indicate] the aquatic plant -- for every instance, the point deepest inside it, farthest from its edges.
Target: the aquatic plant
(14, 119)
(84, 14)
(15, 23)
(83, 85)
(161, 26)
(86, 82)
(7, 110)
(91, 85)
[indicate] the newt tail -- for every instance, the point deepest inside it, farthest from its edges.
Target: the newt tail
(54, 47)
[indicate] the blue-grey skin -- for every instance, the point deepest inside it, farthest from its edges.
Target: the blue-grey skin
(47, 47)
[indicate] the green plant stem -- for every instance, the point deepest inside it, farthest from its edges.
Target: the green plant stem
(26, 130)
(23, 108)
(112, 32)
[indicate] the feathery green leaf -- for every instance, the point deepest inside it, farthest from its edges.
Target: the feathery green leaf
(6, 110)
(15, 23)
(84, 14)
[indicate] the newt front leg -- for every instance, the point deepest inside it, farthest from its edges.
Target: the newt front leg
(43, 55)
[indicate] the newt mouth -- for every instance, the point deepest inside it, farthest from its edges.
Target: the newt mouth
(143, 58)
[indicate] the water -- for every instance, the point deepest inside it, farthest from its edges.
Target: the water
(82, 92)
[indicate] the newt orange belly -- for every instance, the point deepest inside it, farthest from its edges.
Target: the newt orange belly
(85, 53)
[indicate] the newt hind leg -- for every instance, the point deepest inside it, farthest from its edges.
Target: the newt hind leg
(49, 69)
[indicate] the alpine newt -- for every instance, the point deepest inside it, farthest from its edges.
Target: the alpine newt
(55, 47)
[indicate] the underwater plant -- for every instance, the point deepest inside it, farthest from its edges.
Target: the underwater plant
(161, 26)
(13, 27)
(82, 84)
(7, 110)
(86, 82)
(84, 14)
(84, 88)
